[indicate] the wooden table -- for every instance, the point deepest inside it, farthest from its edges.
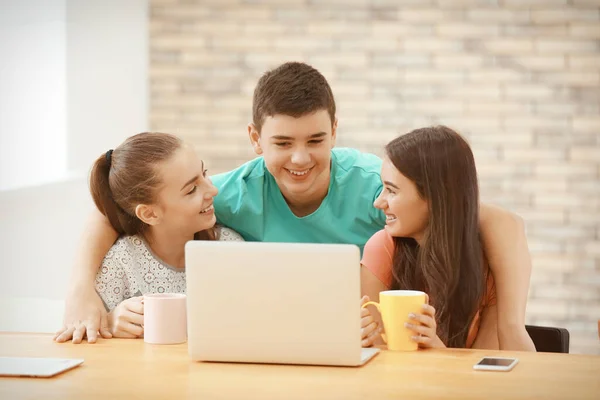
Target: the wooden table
(119, 368)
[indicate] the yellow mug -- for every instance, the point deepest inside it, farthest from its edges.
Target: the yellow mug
(394, 307)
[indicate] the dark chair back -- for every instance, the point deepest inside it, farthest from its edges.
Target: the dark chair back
(549, 339)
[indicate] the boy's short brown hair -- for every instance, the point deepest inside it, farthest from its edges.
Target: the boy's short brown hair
(293, 89)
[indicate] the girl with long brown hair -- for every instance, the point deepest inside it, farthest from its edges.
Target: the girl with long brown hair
(432, 242)
(155, 193)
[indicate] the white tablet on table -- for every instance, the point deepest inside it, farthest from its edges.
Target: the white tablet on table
(36, 367)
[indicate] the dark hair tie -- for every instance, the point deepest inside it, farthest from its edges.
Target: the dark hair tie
(109, 157)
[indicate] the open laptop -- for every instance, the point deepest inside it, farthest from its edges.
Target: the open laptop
(283, 303)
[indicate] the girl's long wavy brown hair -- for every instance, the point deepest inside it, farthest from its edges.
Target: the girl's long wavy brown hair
(129, 177)
(448, 263)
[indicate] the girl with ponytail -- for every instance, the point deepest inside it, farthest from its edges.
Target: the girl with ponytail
(155, 193)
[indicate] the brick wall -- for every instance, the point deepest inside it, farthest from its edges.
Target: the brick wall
(519, 78)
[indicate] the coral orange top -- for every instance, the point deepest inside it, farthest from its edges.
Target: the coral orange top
(378, 258)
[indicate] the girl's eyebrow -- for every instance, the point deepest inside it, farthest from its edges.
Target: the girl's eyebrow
(388, 183)
(190, 182)
(193, 179)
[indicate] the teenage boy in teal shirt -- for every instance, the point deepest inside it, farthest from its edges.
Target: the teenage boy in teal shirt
(301, 189)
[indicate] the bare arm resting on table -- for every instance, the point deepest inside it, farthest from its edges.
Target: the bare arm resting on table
(84, 311)
(505, 246)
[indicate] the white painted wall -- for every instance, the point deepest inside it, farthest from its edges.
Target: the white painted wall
(73, 83)
(33, 84)
(41, 227)
(107, 70)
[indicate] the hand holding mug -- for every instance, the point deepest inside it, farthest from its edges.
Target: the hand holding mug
(126, 320)
(394, 307)
(425, 328)
(369, 328)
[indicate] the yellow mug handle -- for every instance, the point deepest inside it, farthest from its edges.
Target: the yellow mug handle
(373, 303)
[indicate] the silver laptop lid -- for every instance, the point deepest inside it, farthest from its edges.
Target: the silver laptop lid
(273, 302)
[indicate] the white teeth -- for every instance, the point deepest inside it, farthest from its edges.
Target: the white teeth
(211, 207)
(299, 173)
(390, 218)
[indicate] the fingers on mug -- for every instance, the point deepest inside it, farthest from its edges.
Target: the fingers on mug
(373, 303)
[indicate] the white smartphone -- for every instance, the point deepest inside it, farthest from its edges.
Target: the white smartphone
(496, 364)
(36, 367)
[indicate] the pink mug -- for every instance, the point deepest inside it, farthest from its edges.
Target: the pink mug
(165, 319)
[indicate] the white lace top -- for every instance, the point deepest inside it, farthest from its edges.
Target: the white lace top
(130, 269)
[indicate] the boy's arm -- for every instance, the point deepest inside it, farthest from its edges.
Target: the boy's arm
(505, 246)
(84, 310)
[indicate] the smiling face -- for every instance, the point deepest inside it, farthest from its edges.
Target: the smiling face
(406, 212)
(184, 203)
(297, 152)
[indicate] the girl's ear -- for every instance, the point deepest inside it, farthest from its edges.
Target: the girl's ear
(148, 214)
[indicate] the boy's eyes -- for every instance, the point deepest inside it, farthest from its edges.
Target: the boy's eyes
(204, 173)
(285, 144)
